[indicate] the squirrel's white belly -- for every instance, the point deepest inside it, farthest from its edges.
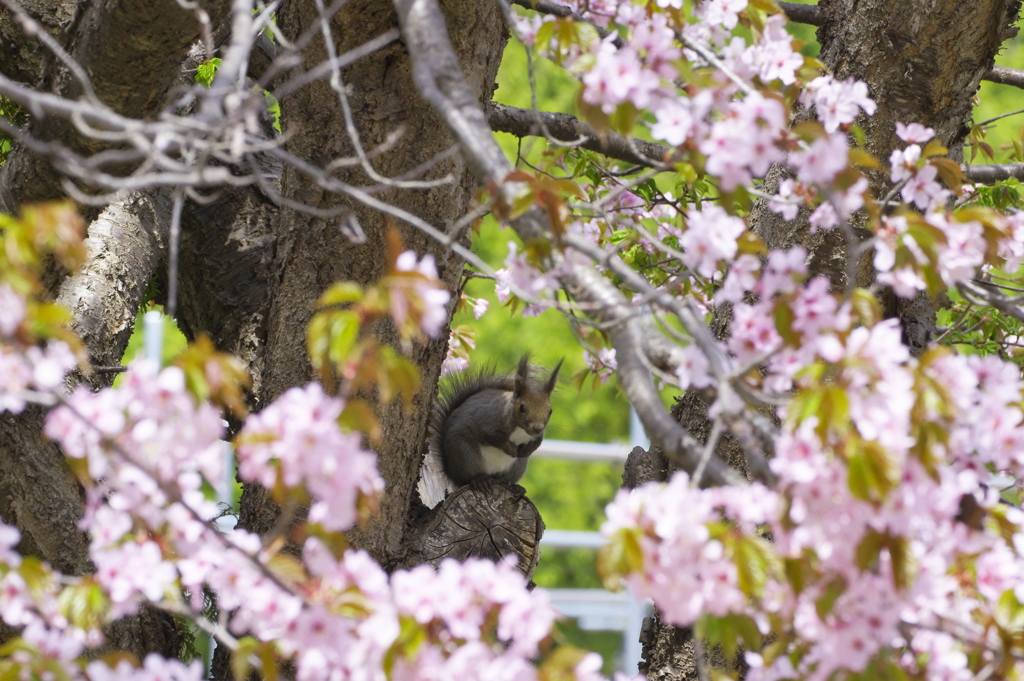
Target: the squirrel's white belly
(520, 437)
(495, 460)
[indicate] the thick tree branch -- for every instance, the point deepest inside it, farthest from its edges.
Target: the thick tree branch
(1005, 76)
(988, 174)
(566, 128)
(804, 14)
(124, 246)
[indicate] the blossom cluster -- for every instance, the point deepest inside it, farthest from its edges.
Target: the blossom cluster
(297, 440)
(149, 444)
(26, 366)
(870, 554)
(416, 295)
(149, 448)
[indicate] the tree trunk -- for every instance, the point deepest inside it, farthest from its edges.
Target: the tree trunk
(922, 61)
(251, 272)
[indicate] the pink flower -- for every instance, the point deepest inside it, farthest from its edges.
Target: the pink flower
(914, 133)
(923, 190)
(298, 438)
(9, 538)
(741, 278)
(519, 273)
(775, 52)
(823, 217)
(722, 12)
(12, 310)
(744, 142)
(710, 236)
(904, 281)
(614, 75)
(693, 372)
(783, 270)
(787, 202)
(753, 331)
(822, 160)
(837, 102)
(674, 123)
(904, 162)
(426, 295)
(816, 311)
(603, 364)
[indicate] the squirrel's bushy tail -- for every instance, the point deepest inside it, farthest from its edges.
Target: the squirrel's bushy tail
(455, 389)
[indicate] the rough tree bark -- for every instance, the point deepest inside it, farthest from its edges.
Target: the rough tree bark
(299, 256)
(922, 61)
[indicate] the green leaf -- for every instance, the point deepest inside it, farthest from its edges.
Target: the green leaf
(317, 340)
(868, 549)
(784, 323)
(797, 571)
(804, 405)
(620, 557)
(859, 477)
(342, 335)
(241, 665)
(873, 471)
(340, 293)
(207, 71)
(1009, 612)
(866, 307)
(769, 6)
(411, 637)
(827, 599)
(902, 561)
(545, 33)
(754, 558)
(83, 605)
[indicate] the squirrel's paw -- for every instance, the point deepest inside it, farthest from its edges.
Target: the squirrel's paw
(482, 483)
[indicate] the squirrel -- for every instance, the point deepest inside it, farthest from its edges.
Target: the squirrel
(485, 425)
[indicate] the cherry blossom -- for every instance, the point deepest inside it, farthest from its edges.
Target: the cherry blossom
(822, 160)
(298, 438)
(914, 133)
(709, 238)
(12, 310)
(426, 294)
(837, 102)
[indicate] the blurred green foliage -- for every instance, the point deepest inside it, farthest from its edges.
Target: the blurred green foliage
(174, 339)
(13, 113)
(995, 100)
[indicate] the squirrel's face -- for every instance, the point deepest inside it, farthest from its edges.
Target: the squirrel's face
(532, 413)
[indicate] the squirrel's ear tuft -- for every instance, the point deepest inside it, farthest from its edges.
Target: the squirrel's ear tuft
(553, 377)
(522, 382)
